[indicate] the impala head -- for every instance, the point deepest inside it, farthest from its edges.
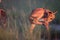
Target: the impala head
(51, 15)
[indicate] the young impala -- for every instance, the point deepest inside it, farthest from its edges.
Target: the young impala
(41, 16)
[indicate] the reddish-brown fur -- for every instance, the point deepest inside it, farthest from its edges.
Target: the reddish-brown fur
(37, 14)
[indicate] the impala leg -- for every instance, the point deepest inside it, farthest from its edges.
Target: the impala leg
(32, 27)
(48, 31)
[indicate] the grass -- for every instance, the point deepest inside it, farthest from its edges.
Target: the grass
(5, 35)
(19, 25)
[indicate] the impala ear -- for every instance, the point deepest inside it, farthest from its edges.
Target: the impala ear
(55, 12)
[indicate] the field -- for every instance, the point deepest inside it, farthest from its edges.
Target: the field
(18, 24)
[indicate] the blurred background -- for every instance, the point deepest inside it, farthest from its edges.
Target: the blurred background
(18, 24)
